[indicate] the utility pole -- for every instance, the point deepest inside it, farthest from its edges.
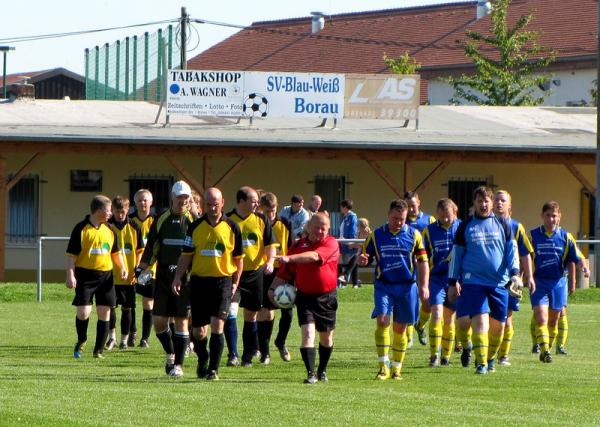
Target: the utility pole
(185, 19)
(597, 194)
(4, 50)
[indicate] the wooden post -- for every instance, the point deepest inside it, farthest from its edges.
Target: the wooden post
(3, 200)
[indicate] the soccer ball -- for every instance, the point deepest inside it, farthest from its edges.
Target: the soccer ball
(285, 295)
(256, 105)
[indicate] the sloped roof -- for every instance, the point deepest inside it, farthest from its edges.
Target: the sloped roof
(36, 76)
(433, 35)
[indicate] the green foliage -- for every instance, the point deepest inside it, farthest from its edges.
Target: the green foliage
(594, 93)
(507, 63)
(404, 64)
(42, 385)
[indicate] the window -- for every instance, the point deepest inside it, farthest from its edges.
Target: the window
(332, 189)
(22, 213)
(461, 192)
(159, 186)
(86, 180)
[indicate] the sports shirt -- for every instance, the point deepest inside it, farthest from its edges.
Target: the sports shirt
(420, 221)
(552, 252)
(92, 247)
(129, 238)
(166, 238)
(256, 236)
(438, 241)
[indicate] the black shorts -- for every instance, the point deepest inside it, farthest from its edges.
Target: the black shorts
(251, 289)
(317, 309)
(166, 303)
(125, 295)
(267, 281)
(146, 290)
(94, 284)
(210, 297)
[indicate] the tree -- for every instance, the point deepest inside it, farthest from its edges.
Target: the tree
(403, 65)
(509, 74)
(594, 93)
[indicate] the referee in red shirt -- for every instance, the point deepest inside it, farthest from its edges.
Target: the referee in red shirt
(311, 264)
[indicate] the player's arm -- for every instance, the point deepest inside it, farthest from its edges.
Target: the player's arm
(71, 282)
(456, 257)
(422, 267)
(73, 250)
(527, 269)
(235, 279)
(301, 258)
(572, 276)
(182, 265)
(368, 250)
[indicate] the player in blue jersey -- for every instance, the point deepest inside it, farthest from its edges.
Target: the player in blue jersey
(419, 220)
(395, 246)
(553, 248)
(484, 258)
(503, 208)
(438, 239)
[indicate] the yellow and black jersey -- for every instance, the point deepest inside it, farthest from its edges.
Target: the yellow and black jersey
(145, 226)
(166, 238)
(92, 247)
(256, 235)
(214, 249)
(131, 244)
(282, 233)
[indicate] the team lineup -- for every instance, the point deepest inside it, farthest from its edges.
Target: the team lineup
(455, 283)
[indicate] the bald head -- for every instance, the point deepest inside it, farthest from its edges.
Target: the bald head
(318, 227)
(213, 203)
(247, 200)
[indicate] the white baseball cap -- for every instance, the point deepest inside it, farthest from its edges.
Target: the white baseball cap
(181, 188)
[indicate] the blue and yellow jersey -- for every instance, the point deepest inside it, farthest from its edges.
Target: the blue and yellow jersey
(552, 251)
(131, 244)
(214, 249)
(438, 241)
(283, 236)
(257, 234)
(395, 254)
(523, 244)
(166, 238)
(484, 252)
(92, 247)
(420, 221)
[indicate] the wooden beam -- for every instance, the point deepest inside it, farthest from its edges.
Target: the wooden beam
(385, 177)
(3, 205)
(185, 174)
(230, 171)
(206, 170)
(407, 177)
(580, 177)
(10, 183)
(436, 170)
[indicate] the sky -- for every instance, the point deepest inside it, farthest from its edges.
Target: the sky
(59, 16)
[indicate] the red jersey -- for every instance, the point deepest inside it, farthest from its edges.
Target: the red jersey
(316, 277)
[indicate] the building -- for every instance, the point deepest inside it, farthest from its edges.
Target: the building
(57, 83)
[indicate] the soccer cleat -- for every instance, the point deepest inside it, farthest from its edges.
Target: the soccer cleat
(169, 367)
(233, 361)
(384, 373)
(560, 349)
(201, 370)
(546, 357)
(445, 361)
(503, 361)
(410, 343)
(256, 354)
(123, 345)
(98, 355)
(176, 372)
(491, 365)
(246, 364)
(265, 360)
(396, 375)
(465, 357)
(311, 378)
(144, 344)
(322, 376)
(481, 369)
(422, 334)
(110, 344)
(434, 361)
(284, 353)
(212, 376)
(131, 340)
(535, 349)
(78, 350)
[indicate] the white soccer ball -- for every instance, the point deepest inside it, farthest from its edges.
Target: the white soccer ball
(285, 295)
(256, 105)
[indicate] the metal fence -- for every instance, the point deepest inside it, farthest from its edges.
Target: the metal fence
(131, 69)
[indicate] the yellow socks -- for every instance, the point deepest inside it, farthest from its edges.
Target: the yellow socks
(435, 337)
(552, 332)
(542, 337)
(424, 317)
(448, 340)
(399, 349)
(464, 336)
(494, 341)
(506, 341)
(532, 330)
(480, 347)
(382, 342)
(563, 331)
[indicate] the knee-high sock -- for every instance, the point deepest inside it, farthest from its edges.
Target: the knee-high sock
(231, 335)
(424, 317)
(81, 327)
(399, 345)
(480, 347)
(180, 343)
(249, 339)
(464, 336)
(146, 324)
(101, 335)
(125, 322)
(166, 339)
(447, 340)
(494, 341)
(324, 355)
(435, 337)
(410, 329)
(532, 330)
(133, 326)
(563, 331)
(201, 350)
(285, 323)
(308, 357)
(552, 332)
(382, 342)
(112, 321)
(509, 332)
(217, 343)
(542, 337)
(265, 330)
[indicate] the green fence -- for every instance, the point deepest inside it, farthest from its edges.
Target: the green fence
(131, 69)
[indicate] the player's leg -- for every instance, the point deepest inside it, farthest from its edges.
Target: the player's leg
(105, 299)
(405, 311)
(160, 317)
(481, 326)
(249, 337)
(539, 302)
(132, 329)
(324, 314)
(325, 350)
(217, 344)
(506, 340)
(557, 301)
(424, 316)
(563, 332)
(382, 309)
(125, 327)
(463, 329)
(218, 309)
(285, 323)
(448, 335)
(82, 319)
(307, 350)
(147, 304)
(231, 330)
(535, 347)
(498, 309)
(112, 330)
(436, 299)
(180, 311)
(265, 321)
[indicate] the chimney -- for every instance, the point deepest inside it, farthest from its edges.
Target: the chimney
(484, 8)
(318, 22)
(21, 91)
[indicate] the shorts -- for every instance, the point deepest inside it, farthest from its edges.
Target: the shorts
(318, 309)
(480, 299)
(125, 295)
(400, 300)
(146, 290)
(94, 284)
(251, 289)
(514, 304)
(209, 297)
(166, 303)
(438, 292)
(552, 293)
(267, 282)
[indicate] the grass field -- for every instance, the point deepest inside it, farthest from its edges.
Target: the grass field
(41, 384)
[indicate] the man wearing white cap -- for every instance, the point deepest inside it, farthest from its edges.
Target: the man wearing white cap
(165, 241)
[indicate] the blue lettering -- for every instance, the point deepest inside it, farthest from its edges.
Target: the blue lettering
(289, 84)
(270, 83)
(299, 105)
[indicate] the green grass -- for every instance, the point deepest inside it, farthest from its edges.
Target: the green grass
(41, 384)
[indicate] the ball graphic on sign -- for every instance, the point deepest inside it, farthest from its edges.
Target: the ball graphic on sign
(256, 105)
(174, 88)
